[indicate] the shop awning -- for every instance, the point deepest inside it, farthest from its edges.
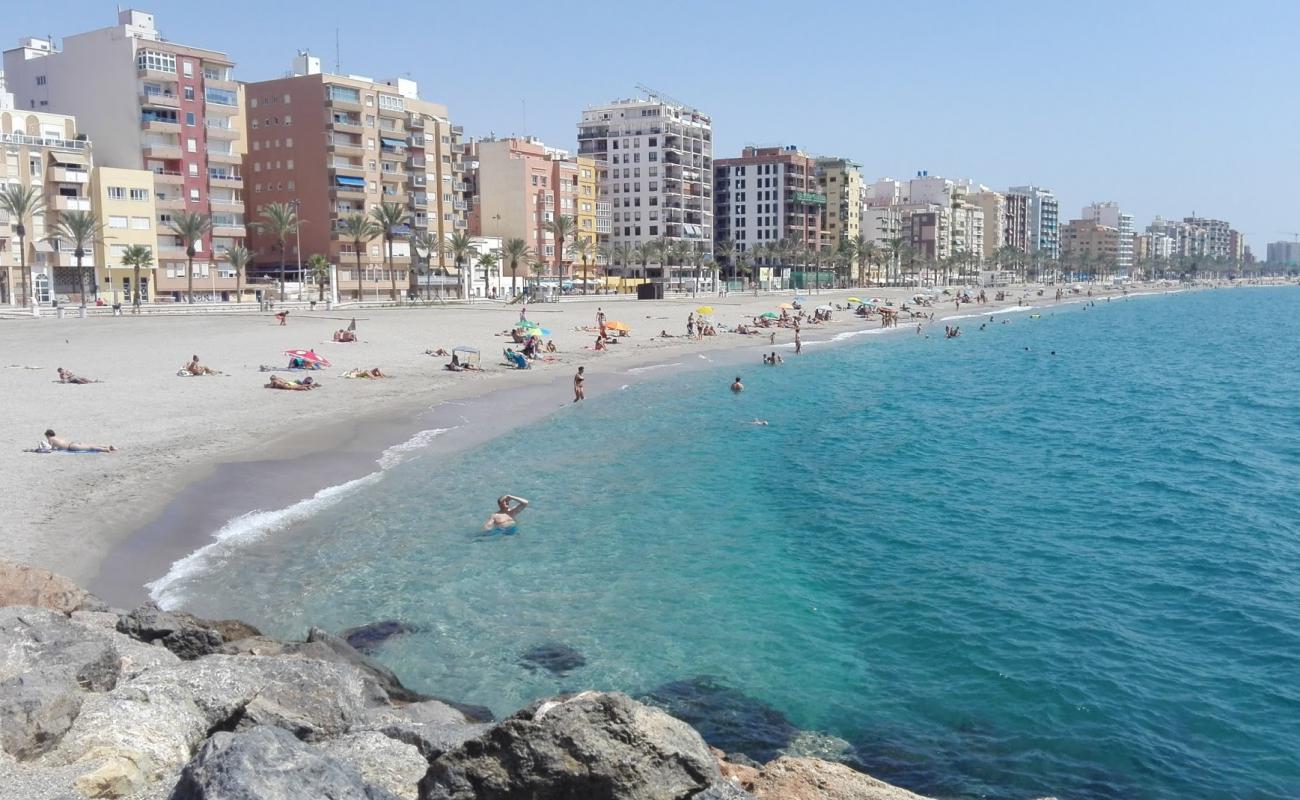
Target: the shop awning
(348, 180)
(392, 142)
(43, 246)
(68, 157)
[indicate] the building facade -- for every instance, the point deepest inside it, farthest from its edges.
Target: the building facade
(1284, 254)
(124, 206)
(1110, 215)
(654, 164)
(1044, 220)
(44, 151)
(994, 207)
(841, 180)
(168, 108)
(338, 145)
(1015, 222)
(1088, 243)
(766, 195)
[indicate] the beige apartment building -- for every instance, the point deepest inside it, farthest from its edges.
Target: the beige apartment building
(841, 179)
(45, 151)
(124, 205)
(338, 145)
(153, 104)
(1088, 240)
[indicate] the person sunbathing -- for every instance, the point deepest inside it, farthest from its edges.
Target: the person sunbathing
(344, 335)
(306, 384)
(66, 376)
(57, 442)
(195, 368)
(441, 351)
(364, 373)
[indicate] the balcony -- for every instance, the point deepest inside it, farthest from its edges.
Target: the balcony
(342, 103)
(159, 99)
(222, 132)
(236, 231)
(218, 83)
(418, 163)
(226, 206)
(459, 224)
(173, 251)
(420, 200)
(156, 75)
(169, 203)
(345, 124)
(225, 181)
(460, 186)
(351, 170)
(459, 205)
(418, 180)
(339, 144)
(159, 125)
(415, 121)
(224, 157)
(64, 203)
(65, 175)
(342, 192)
(164, 152)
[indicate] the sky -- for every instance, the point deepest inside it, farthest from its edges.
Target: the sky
(1169, 108)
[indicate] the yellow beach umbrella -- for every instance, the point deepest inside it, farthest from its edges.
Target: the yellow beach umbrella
(786, 306)
(704, 310)
(617, 326)
(854, 300)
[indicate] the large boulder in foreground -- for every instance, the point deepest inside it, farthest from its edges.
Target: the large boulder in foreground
(186, 636)
(813, 779)
(269, 764)
(23, 585)
(594, 745)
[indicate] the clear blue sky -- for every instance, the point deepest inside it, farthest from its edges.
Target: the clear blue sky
(1166, 107)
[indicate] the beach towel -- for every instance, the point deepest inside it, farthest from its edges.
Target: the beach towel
(48, 449)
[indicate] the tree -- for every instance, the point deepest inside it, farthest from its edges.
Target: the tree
(538, 269)
(319, 268)
(649, 251)
(868, 253)
(239, 258)
(423, 246)
(390, 217)
(460, 246)
(190, 227)
(562, 227)
(583, 250)
(488, 262)
(622, 254)
(678, 252)
(280, 221)
(359, 230)
(81, 230)
(896, 247)
(138, 257)
(740, 264)
(515, 251)
(21, 202)
(724, 251)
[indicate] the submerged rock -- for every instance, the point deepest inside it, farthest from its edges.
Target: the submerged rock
(594, 745)
(726, 717)
(269, 764)
(369, 638)
(555, 658)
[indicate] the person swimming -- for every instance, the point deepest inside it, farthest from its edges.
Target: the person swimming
(503, 519)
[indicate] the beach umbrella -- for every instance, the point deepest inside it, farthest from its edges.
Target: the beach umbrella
(523, 323)
(704, 311)
(771, 314)
(786, 306)
(308, 356)
(853, 300)
(617, 326)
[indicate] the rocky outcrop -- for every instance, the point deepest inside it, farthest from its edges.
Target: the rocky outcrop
(23, 585)
(592, 745)
(151, 704)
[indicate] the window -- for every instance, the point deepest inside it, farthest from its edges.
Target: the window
(40, 80)
(192, 145)
(257, 145)
(140, 194)
(189, 68)
(288, 119)
(221, 97)
(194, 195)
(155, 60)
(392, 102)
(189, 119)
(288, 142)
(345, 94)
(194, 170)
(140, 223)
(288, 98)
(116, 222)
(289, 164)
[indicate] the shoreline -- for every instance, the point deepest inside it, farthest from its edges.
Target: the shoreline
(160, 499)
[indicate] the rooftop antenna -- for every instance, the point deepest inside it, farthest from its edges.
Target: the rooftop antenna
(338, 70)
(661, 96)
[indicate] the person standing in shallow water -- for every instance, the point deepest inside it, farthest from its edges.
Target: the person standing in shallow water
(579, 393)
(737, 386)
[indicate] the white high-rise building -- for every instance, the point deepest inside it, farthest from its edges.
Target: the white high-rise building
(1044, 220)
(655, 168)
(1110, 215)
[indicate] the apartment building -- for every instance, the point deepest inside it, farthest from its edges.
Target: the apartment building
(521, 185)
(43, 150)
(1218, 236)
(993, 206)
(768, 194)
(1044, 220)
(152, 104)
(123, 200)
(1015, 221)
(1110, 215)
(1086, 241)
(1283, 253)
(338, 145)
(654, 163)
(841, 180)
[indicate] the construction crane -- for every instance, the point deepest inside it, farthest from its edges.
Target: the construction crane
(1295, 235)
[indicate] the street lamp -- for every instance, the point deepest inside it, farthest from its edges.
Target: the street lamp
(297, 240)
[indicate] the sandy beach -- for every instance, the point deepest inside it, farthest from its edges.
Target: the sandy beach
(66, 512)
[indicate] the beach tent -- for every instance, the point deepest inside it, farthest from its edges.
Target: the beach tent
(466, 355)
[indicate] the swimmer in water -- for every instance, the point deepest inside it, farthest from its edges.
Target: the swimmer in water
(758, 422)
(737, 386)
(504, 517)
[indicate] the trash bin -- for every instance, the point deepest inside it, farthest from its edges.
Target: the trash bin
(650, 291)
(60, 310)
(81, 312)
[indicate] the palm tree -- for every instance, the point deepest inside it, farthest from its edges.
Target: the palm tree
(319, 268)
(868, 253)
(514, 251)
(622, 254)
(725, 251)
(138, 257)
(359, 230)
(652, 250)
(583, 250)
(423, 246)
(538, 269)
(81, 230)
(389, 217)
(190, 227)
(562, 228)
(280, 221)
(460, 246)
(740, 264)
(239, 258)
(21, 202)
(678, 253)
(488, 262)
(896, 247)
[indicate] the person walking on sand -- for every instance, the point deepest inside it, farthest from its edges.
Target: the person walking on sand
(57, 442)
(579, 393)
(737, 386)
(600, 318)
(503, 519)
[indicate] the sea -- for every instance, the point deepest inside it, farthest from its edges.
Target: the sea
(1057, 555)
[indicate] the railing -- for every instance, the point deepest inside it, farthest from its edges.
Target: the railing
(44, 141)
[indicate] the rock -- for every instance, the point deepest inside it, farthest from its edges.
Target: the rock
(184, 635)
(432, 727)
(328, 647)
(723, 790)
(555, 658)
(119, 774)
(96, 619)
(22, 585)
(726, 717)
(40, 640)
(230, 630)
(368, 638)
(593, 745)
(257, 646)
(813, 779)
(35, 712)
(384, 762)
(269, 764)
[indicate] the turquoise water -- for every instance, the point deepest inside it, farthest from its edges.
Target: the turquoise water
(991, 571)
